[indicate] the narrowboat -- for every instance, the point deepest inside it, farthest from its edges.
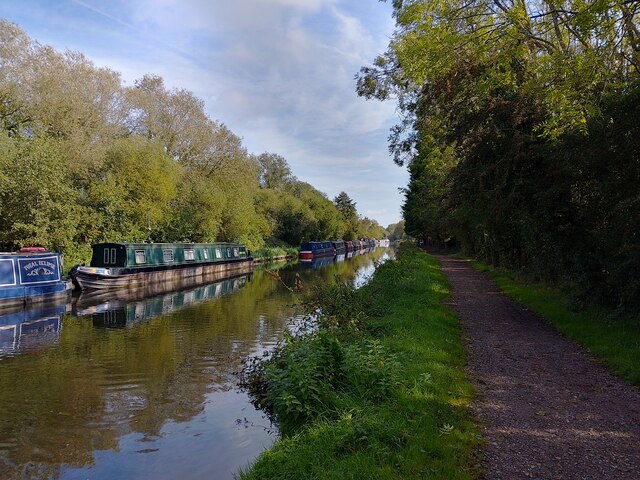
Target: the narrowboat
(32, 275)
(339, 247)
(134, 265)
(310, 250)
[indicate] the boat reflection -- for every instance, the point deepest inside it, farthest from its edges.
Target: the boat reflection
(125, 307)
(322, 262)
(31, 328)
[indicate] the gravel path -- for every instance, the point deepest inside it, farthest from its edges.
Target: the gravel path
(547, 410)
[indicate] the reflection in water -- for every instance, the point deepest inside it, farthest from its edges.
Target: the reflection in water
(157, 399)
(30, 329)
(119, 308)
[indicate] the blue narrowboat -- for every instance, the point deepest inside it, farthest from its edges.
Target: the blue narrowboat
(339, 247)
(32, 275)
(134, 265)
(310, 250)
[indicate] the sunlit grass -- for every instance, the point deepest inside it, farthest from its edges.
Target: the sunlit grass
(270, 253)
(422, 427)
(613, 340)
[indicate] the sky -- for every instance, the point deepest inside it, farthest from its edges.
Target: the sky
(278, 73)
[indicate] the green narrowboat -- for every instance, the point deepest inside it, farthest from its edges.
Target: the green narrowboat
(124, 265)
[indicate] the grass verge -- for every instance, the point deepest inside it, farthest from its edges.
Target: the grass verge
(267, 254)
(377, 390)
(612, 339)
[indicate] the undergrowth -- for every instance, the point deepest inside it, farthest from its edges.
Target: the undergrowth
(269, 253)
(374, 387)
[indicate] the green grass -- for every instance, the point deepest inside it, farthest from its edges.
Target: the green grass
(270, 253)
(390, 398)
(613, 340)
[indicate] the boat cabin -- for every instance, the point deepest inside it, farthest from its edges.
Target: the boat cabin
(31, 275)
(110, 255)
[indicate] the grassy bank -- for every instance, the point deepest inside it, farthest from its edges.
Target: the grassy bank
(378, 390)
(269, 254)
(612, 339)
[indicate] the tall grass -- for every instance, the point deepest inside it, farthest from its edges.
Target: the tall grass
(269, 253)
(376, 389)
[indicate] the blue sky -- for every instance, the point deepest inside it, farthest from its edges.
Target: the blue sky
(278, 73)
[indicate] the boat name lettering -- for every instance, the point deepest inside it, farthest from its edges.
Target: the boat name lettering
(40, 263)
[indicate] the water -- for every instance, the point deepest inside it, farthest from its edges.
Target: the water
(108, 387)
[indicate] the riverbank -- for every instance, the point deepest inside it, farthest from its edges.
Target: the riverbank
(274, 254)
(379, 390)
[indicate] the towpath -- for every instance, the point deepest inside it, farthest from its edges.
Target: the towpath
(547, 410)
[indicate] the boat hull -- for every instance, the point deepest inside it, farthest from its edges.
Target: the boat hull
(24, 295)
(31, 277)
(177, 276)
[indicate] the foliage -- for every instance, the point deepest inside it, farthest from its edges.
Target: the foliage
(396, 231)
(274, 171)
(385, 401)
(516, 130)
(271, 253)
(299, 379)
(86, 159)
(37, 201)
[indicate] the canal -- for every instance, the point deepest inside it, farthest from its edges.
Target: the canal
(105, 387)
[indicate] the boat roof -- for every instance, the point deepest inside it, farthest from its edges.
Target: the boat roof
(29, 254)
(168, 244)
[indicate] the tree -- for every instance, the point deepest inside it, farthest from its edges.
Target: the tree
(274, 171)
(498, 101)
(345, 205)
(135, 186)
(395, 231)
(38, 204)
(347, 208)
(176, 118)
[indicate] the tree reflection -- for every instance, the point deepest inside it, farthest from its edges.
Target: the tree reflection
(81, 394)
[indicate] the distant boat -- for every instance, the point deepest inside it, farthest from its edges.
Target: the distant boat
(339, 247)
(32, 275)
(132, 265)
(311, 250)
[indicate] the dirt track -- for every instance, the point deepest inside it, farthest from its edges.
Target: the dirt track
(547, 410)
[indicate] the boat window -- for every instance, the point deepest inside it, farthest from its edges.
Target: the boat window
(189, 255)
(106, 255)
(140, 256)
(167, 255)
(206, 254)
(229, 253)
(218, 253)
(236, 252)
(113, 255)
